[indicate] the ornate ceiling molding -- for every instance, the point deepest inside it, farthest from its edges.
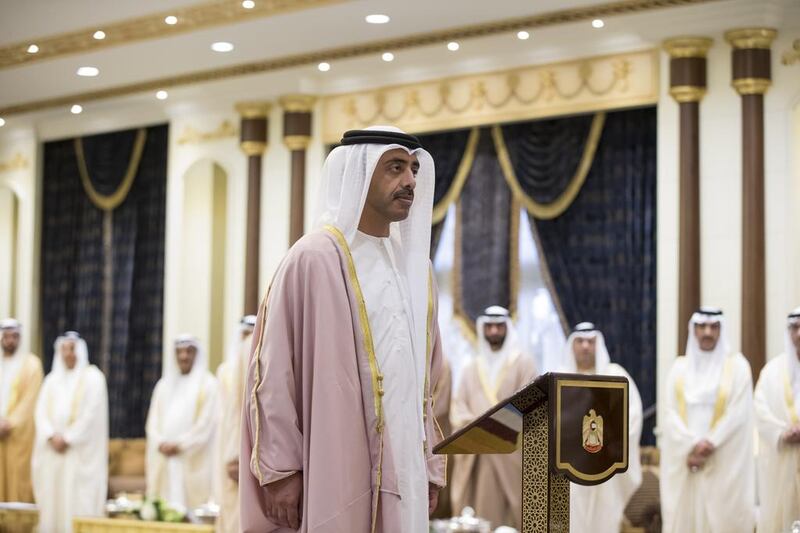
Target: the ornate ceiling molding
(592, 84)
(17, 162)
(363, 49)
(192, 135)
(191, 18)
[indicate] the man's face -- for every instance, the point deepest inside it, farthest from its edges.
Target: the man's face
(794, 334)
(68, 354)
(391, 189)
(707, 335)
(10, 341)
(495, 335)
(185, 356)
(584, 349)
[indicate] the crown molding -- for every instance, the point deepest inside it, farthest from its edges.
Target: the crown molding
(552, 18)
(191, 18)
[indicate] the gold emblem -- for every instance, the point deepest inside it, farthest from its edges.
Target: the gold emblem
(592, 432)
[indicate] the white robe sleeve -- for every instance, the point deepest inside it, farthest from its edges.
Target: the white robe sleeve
(44, 429)
(154, 436)
(739, 402)
(83, 428)
(770, 427)
(677, 434)
(204, 425)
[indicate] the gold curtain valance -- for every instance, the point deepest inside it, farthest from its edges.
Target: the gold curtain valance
(550, 210)
(111, 201)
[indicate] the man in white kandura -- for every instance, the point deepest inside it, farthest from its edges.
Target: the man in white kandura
(490, 483)
(231, 375)
(707, 464)
(602, 507)
(180, 428)
(70, 456)
(777, 405)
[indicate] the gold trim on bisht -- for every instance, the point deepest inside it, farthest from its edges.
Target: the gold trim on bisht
(113, 200)
(559, 205)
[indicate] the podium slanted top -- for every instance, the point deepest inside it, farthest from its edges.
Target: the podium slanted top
(587, 425)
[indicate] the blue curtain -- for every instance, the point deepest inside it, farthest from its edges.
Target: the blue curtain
(485, 258)
(601, 252)
(80, 241)
(446, 148)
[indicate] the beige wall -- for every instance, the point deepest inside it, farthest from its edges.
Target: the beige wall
(22, 181)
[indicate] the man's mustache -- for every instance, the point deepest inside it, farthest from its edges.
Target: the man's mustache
(407, 194)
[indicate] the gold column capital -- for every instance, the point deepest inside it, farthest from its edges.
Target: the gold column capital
(253, 109)
(298, 103)
(687, 93)
(251, 148)
(297, 142)
(681, 47)
(745, 38)
(745, 86)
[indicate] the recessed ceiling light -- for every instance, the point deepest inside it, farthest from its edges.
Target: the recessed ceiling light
(523, 35)
(76, 109)
(387, 56)
(32, 49)
(377, 19)
(88, 72)
(222, 46)
(171, 20)
(99, 35)
(248, 4)
(2, 122)
(453, 46)
(162, 95)
(324, 67)
(598, 23)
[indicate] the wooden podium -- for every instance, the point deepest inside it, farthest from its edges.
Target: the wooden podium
(572, 427)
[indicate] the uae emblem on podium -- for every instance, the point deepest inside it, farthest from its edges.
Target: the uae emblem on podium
(592, 432)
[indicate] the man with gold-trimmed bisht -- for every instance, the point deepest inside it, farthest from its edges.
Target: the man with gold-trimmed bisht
(707, 463)
(490, 483)
(20, 378)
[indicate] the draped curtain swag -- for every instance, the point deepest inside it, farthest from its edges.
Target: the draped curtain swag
(104, 200)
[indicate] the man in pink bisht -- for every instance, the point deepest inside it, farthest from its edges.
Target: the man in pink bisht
(338, 425)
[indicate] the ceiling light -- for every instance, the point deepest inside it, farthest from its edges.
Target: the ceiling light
(76, 109)
(598, 23)
(377, 19)
(88, 72)
(32, 49)
(324, 67)
(222, 46)
(388, 56)
(2, 122)
(162, 95)
(453, 46)
(523, 35)
(99, 35)
(248, 4)
(171, 20)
